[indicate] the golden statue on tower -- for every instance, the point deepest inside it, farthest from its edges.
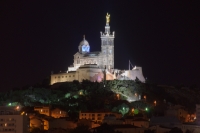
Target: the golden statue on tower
(107, 18)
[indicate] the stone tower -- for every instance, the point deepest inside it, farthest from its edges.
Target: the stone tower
(107, 46)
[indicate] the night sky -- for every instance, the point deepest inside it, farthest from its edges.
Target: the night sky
(37, 37)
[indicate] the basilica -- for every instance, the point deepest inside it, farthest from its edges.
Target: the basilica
(99, 65)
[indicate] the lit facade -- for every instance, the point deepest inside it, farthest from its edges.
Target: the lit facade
(46, 110)
(57, 113)
(97, 116)
(93, 65)
(12, 121)
(43, 110)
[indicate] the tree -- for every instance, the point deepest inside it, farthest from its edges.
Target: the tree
(123, 109)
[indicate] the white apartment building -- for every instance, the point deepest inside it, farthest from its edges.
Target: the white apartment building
(12, 121)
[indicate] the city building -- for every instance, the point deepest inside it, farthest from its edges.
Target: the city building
(12, 121)
(98, 65)
(43, 110)
(164, 121)
(36, 122)
(47, 115)
(125, 128)
(98, 116)
(46, 110)
(63, 123)
(112, 120)
(57, 113)
(198, 114)
(178, 112)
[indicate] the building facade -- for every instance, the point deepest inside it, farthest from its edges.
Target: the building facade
(12, 121)
(94, 65)
(98, 116)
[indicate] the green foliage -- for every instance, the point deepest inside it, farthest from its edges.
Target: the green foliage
(123, 109)
(75, 96)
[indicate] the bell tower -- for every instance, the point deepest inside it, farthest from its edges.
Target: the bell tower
(107, 46)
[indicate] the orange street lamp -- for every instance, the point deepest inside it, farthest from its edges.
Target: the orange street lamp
(118, 96)
(145, 97)
(154, 103)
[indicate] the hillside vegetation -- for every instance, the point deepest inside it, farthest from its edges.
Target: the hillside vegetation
(110, 95)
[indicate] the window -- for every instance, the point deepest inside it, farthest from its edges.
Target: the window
(55, 77)
(66, 76)
(73, 75)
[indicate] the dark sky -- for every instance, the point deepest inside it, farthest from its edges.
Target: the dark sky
(37, 37)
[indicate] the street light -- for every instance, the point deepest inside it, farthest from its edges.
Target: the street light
(136, 96)
(154, 103)
(145, 97)
(117, 96)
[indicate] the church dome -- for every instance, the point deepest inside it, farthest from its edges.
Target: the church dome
(84, 42)
(84, 46)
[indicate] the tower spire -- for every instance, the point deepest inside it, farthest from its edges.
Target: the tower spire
(83, 37)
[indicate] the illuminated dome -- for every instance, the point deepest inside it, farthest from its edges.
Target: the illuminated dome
(84, 42)
(84, 46)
